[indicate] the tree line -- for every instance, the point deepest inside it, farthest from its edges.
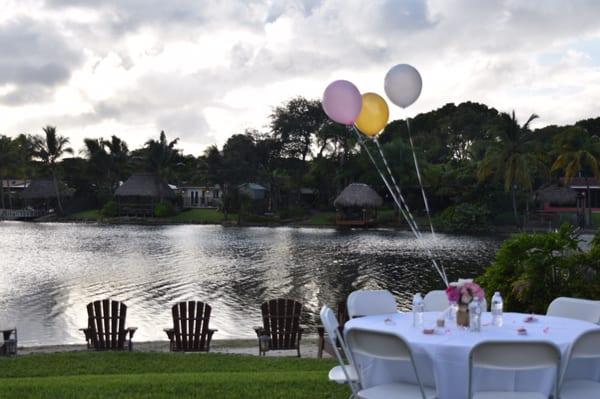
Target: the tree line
(469, 154)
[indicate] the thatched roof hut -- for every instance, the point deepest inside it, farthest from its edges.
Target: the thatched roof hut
(40, 189)
(357, 206)
(145, 185)
(557, 195)
(139, 195)
(43, 189)
(358, 195)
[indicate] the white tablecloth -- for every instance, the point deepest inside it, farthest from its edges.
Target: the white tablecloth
(442, 358)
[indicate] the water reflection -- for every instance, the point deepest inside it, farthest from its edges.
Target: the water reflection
(49, 272)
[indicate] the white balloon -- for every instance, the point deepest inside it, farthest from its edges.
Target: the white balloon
(403, 85)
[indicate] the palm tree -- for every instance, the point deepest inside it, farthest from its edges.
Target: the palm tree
(107, 160)
(49, 149)
(161, 156)
(8, 160)
(576, 150)
(118, 157)
(510, 157)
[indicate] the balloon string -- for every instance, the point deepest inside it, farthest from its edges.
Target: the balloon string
(385, 181)
(412, 147)
(441, 273)
(389, 170)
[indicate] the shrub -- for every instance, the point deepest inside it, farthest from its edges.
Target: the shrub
(530, 270)
(464, 217)
(292, 212)
(110, 209)
(164, 209)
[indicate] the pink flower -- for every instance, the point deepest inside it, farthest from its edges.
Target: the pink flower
(452, 293)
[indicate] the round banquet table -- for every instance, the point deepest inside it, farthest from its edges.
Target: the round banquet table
(442, 358)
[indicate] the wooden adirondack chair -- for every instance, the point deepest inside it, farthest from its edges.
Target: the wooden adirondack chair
(8, 347)
(324, 345)
(106, 326)
(281, 328)
(190, 332)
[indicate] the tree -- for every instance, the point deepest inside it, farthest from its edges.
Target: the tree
(107, 163)
(161, 156)
(510, 158)
(8, 159)
(49, 149)
(295, 124)
(577, 151)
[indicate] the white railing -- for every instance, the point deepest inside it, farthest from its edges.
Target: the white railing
(201, 203)
(12, 214)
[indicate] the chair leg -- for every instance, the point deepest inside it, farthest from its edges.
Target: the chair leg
(321, 346)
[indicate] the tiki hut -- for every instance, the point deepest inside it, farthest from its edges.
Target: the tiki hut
(357, 205)
(140, 193)
(41, 194)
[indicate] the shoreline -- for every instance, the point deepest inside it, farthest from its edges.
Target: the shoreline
(136, 221)
(308, 348)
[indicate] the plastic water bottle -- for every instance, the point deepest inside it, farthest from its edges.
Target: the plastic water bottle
(418, 307)
(475, 315)
(497, 307)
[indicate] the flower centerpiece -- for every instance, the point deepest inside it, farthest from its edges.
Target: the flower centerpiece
(462, 293)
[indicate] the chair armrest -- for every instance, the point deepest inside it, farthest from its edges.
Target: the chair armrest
(131, 331)
(259, 331)
(170, 333)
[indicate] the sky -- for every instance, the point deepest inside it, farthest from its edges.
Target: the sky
(203, 70)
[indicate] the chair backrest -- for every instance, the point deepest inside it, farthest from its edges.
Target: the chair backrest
(515, 355)
(190, 325)
(574, 308)
(381, 345)
(586, 346)
(106, 324)
(436, 301)
(281, 321)
(332, 327)
(370, 302)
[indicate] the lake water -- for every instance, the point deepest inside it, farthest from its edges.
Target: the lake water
(49, 272)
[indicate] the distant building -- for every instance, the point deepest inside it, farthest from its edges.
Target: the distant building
(357, 205)
(254, 191)
(201, 196)
(140, 193)
(41, 194)
(579, 193)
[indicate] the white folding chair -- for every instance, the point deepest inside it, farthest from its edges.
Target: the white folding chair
(386, 346)
(516, 356)
(370, 302)
(436, 301)
(344, 373)
(575, 308)
(587, 346)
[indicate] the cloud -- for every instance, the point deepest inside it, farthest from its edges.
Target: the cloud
(206, 70)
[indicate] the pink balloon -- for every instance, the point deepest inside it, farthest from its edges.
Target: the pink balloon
(342, 102)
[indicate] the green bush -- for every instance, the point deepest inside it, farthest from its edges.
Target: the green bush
(292, 212)
(164, 209)
(464, 217)
(110, 209)
(530, 270)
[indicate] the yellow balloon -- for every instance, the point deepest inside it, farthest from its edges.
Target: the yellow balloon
(373, 115)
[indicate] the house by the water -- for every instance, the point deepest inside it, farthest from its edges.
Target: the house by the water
(201, 196)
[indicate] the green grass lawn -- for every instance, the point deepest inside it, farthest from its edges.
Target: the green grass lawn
(201, 216)
(165, 375)
(93, 214)
(322, 219)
